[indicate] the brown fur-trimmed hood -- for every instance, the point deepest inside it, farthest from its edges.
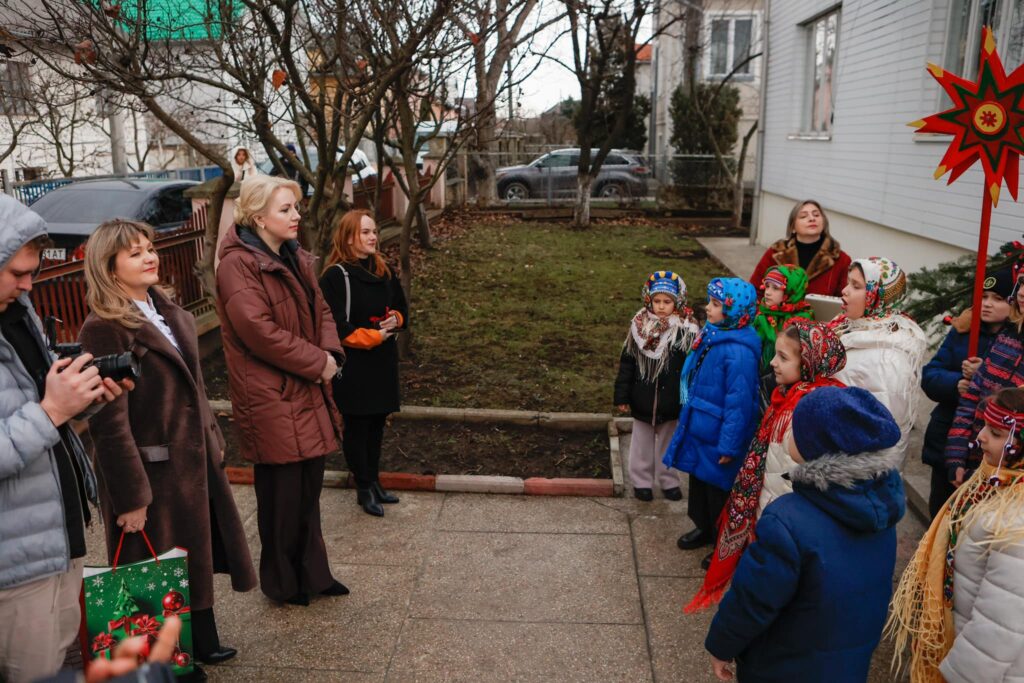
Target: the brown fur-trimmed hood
(784, 251)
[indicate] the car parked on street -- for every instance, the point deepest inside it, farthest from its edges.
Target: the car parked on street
(623, 175)
(74, 211)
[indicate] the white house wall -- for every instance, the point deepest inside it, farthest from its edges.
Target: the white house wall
(872, 176)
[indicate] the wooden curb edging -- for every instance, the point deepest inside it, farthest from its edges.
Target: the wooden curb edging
(460, 483)
(475, 483)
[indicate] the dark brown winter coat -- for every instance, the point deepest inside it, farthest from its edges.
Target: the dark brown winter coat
(275, 345)
(159, 446)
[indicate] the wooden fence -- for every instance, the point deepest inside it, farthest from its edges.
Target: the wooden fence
(60, 290)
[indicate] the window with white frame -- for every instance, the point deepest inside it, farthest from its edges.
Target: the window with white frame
(730, 43)
(963, 41)
(822, 46)
(15, 92)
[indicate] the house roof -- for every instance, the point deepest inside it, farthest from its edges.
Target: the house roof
(644, 52)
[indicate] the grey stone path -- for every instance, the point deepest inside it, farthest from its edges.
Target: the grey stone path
(460, 587)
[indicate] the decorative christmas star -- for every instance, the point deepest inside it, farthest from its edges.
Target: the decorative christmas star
(986, 121)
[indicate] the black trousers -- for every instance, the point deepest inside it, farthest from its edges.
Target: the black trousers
(361, 442)
(941, 490)
(705, 505)
(294, 557)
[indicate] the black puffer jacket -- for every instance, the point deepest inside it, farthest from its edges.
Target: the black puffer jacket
(660, 396)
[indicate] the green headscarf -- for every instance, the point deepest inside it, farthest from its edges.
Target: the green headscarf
(771, 319)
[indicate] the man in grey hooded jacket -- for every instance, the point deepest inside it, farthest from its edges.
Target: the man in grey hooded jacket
(45, 477)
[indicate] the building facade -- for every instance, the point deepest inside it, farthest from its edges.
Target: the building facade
(842, 82)
(728, 37)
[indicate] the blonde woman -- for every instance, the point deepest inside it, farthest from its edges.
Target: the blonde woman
(282, 351)
(159, 451)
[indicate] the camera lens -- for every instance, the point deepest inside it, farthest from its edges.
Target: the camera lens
(118, 367)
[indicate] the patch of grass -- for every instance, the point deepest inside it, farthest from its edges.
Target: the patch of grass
(532, 316)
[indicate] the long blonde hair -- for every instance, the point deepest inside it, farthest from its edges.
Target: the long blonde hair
(105, 297)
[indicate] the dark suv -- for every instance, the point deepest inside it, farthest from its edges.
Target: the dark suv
(73, 211)
(623, 175)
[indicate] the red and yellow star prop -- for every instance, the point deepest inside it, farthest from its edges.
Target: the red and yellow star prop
(986, 121)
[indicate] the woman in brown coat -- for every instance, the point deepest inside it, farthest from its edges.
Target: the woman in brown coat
(159, 451)
(282, 351)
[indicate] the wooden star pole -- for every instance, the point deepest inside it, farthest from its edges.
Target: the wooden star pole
(987, 123)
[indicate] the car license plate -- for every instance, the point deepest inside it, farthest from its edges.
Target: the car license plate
(55, 254)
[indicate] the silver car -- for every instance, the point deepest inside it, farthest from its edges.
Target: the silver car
(623, 175)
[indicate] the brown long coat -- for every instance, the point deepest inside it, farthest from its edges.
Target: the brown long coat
(159, 446)
(276, 345)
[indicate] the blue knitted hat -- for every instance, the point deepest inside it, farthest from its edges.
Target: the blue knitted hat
(842, 421)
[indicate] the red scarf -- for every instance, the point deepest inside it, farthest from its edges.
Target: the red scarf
(739, 517)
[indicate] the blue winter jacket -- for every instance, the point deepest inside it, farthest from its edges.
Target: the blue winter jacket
(939, 378)
(720, 409)
(809, 597)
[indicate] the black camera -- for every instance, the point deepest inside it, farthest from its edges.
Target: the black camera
(116, 366)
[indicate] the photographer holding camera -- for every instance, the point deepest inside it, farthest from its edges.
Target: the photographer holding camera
(159, 450)
(46, 481)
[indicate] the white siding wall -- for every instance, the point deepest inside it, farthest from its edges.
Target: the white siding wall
(872, 169)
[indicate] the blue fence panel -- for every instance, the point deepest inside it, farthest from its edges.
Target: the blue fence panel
(30, 193)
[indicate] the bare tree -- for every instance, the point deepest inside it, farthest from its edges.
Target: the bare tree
(66, 114)
(263, 69)
(604, 46)
(501, 36)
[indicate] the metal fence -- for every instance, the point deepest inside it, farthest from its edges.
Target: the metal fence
(60, 290)
(30, 191)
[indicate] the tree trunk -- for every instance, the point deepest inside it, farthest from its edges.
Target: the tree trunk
(737, 218)
(214, 211)
(405, 262)
(484, 154)
(581, 213)
(426, 240)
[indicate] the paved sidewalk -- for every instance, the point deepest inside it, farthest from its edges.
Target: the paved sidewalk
(459, 587)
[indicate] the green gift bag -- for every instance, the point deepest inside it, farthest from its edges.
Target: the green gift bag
(131, 600)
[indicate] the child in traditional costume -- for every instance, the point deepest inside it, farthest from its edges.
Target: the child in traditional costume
(718, 393)
(782, 299)
(960, 602)
(1001, 367)
(809, 597)
(947, 376)
(884, 347)
(807, 355)
(647, 385)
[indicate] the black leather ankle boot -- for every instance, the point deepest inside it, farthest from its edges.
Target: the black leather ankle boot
(367, 499)
(382, 495)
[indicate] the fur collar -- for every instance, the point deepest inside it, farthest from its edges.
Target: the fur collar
(784, 251)
(846, 470)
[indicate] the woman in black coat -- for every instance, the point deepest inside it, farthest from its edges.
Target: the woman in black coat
(369, 308)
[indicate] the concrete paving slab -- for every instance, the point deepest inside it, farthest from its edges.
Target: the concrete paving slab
(475, 512)
(736, 253)
(356, 632)
(442, 650)
(338, 508)
(388, 545)
(654, 544)
(309, 674)
(400, 538)
(529, 577)
(677, 639)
